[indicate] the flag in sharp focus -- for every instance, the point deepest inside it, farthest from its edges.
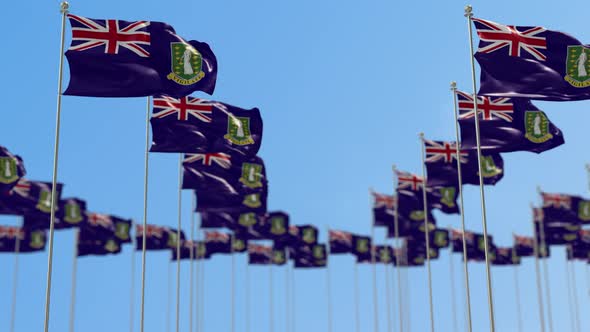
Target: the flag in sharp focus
(224, 173)
(194, 125)
(506, 125)
(12, 169)
(441, 165)
(116, 58)
(340, 242)
(531, 62)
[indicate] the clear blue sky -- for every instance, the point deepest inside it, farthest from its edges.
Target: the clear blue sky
(344, 88)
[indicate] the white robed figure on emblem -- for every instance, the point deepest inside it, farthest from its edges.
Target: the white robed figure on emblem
(537, 125)
(186, 60)
(582, 64)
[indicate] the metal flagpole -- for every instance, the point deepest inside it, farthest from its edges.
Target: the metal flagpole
(408, 294)
(247, 296)
(287, 295)
(14, 281)
(517, 292)
(453, 300)
(197, 270)
(572, 273)
(357, 321)
(180, 168)
(132, 286)
(469, 15)
(145, 209)
(270, 299)
(545, 272)
(202, 306)
(233, 285)
(294, 299)
(388, 296)
(538, 274)
(426, 235)
(328, 284)
(569, 298)
(64, 6)
(169, 298)
(374, 267)
(192, 263)
(461, 207)
(74, 277)
(397, 257)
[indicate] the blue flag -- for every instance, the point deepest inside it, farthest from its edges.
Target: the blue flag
(116, 58)
(12, 169)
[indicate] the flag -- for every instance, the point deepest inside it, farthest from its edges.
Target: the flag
(411, 212)
(30, 240)
(479, 252)
(188, 250)
(444, 199)
(557, 233)
(239, 243)
(116, 58)
(361, 247)
(563, 207)
(383, 209)
(531, 62)
(156, 237)
(574, 252)
(279, 256)
(244, 223)
(438, 238)
(506, 125)
(340, 242)
(305, 234)
(311, 256)
(72, 212)
(259, 254)
(524, 246)
(172, 238)
(223, 173)
(29, 197)
(12, 169)
(410, 198)
(214, 201)
(383, 254)
(194, 125)
(274, 226)
(88, 244)
(218, 242)
(441, 165)
(505, 256)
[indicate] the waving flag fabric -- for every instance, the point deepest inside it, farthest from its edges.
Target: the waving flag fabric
(234, 202)
(12, 169)
(116, 58)
(531, 62)
(156, 237)
(441, 165)
(88, 244)
(218, 242)
(383, 209)
(259, 254)
(188, 250)
(311, 256)
(193, 125)
(524, 246)
(505, 256)
(29, 197)
(506, 125)
(274, 226)
(30, 240)
(340, 242)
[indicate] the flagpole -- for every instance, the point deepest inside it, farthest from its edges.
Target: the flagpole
(202, 306)
(64, 6)
(569, 298)
(546, 272)
(572, 273)
(169, 299)
(287, 294)
(461, 207)
(398, 252)
(74, 277)
(145, 214)
(453, 300)
(357, 322)
(247, 296)
(408, 294)
(198, 262)
(469, 15)
(328, 284)
(517, 291)
(233, 285)
(270, 299)
(132, 286)
(538, 274)
(388, 297)
(426, 235)
(180, 168)
(374, 266)
(294, 299)
(192, 265)
(15, 281)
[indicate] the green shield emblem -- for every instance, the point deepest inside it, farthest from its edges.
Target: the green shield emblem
(238, 130)
(384, 255)
(577, 66)
(122, 231)
(433, 253)
(319, 252)
(431, 227)
(278, 257)
(441, 239)
(201, 250)
(489, 168)
(172, 240)
(417, 215)
(186, 63)
(536, 125)
(73, 214)
(584, 210)
(251, 175)
(111, 246)
(570, 237)
(252, 201)
(277, 226)
(37, 240)
(44, 203)
(247, 219)
(447, 196)
(481, 244)
(309, 235)
(419, 260)
(362, 246)
(8, 171)
(238, 245)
